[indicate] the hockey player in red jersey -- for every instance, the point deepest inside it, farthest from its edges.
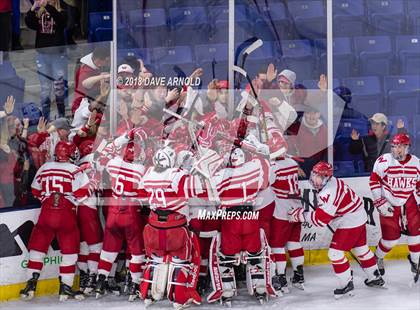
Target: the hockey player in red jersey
(240, 240)
(395, 186)
(343, 209)
(285, 234)
(60, 187)
(172, 249)
(123, 222)
(91, 234)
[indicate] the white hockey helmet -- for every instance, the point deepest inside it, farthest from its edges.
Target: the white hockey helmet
(237, 157)
(164, 158)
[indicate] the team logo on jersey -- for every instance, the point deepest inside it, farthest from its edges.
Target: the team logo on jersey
(325, 198)
(382, 159)
(402, 183)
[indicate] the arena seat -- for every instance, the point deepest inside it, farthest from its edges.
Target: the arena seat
(386, 16)
(168, 57)
(309, 18)
(189, 25)
(12, 86)
(149, 27)
(374, 54)
(349, 18)
(7, 70)
(205, 54)
(367, 94)
(100, 5)
(403, 94)
(298, 55)
(275, 14)
(343, 56)
(97, 20)
(407, 49)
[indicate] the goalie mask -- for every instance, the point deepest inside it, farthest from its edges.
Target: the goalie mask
(400, 145)
(164, 158)
(66, 152)
(321, 173)
(237, 157)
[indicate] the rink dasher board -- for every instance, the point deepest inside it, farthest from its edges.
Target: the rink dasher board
(15, 227)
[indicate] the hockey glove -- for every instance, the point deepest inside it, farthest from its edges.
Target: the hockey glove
(384, 207)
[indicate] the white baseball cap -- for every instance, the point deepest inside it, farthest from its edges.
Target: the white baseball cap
(124, 68)
(379, 118)
(289, 75)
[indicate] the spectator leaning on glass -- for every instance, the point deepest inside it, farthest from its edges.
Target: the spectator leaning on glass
(49, 22)
(376, 142)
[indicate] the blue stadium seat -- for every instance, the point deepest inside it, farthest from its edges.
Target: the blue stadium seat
(414, 21)
(403, 94)
(273, 15)
(374, 54)
(103, 34)
(12, 86)
(309, 18)
(205, 54)
(392, 123)
(7, 70)
(189, 25)
(98, 20)
(386, 16)
(139, 53)
(416, 132)
(168, 57)
(344, 168)
(313, 84)
(366, 93)
(408, 52)
(343, 56)
(183, 3)
(298, 56)
(348, 124)
(99, 5)
(149, 27)
(349, 18)
(218, 17)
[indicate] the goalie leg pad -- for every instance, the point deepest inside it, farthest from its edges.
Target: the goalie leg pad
(154, 280)
(221, 272)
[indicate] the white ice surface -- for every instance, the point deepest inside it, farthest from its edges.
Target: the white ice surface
(320, 283)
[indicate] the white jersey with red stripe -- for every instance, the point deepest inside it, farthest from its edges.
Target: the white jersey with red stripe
(125, 178)
(170, 189)
(61, 177)
(339, 205)
(395, 180)
(285, 183)
(92, 201)
(240, 185)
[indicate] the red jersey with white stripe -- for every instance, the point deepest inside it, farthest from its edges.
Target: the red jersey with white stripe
(340, 205)
(125, 178)
(240, 185)
(58, 177)
(395, 180)
(170, 189)
(285, 183)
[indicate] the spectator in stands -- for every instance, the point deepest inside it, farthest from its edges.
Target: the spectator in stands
(308, 140)
(376, 142)
(73, 19)
(345, 94)
(91, 71)
(5, 24)
(16, 46)
(48, 20)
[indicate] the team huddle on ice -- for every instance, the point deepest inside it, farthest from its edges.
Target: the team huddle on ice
(151, 190)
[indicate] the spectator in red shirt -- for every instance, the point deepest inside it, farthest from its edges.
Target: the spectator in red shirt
(89, 74)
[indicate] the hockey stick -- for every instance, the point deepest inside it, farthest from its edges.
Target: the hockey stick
(213, 68)
(328, 225)
(246, 48)
(242, 72)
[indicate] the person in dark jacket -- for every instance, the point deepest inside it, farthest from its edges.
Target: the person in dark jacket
(49, 22)
(376, 142)
(5, 24)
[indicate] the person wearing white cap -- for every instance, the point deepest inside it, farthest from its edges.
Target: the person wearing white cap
(376, 142)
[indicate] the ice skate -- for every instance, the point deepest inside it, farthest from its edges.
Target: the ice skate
(28, 292)
(415, 269)
(113, 287)
(280, 283)
(66, 291)
(378, 281)
(84, 279)
(90, 285)
(346, 291)
(133, 292)
(380, 264)
(226, 301)
(298, 279)
(100, 288)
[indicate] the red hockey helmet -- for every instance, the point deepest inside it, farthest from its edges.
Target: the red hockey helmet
(277, 145)
(323, 170)
(133, 152)
(401, 138)
(86, 148)
(66, 152)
